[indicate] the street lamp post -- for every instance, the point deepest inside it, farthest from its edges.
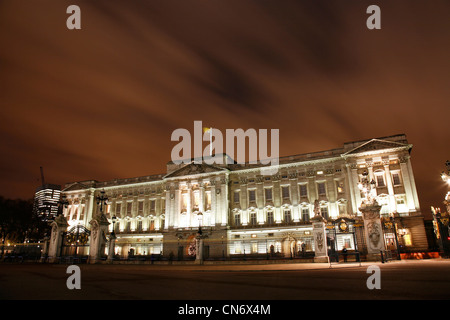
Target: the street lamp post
(62, 204)
(199, 239)
(390, 223)
(102, 200)
(112, 240)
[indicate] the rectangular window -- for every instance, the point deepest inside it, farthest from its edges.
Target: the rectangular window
(152, 225)
(196, 200)
(270, 217)
(139, 226)
(237, 219)
(305, 214)
(118, 209)
(380, 180)
(268, 194)
(340, 186)
(237, 247)
(400, 200)
(303, 190)
(184, 201)
(407, 239)
(208, 200)
(253, 218)
(285, 192)
(396, 179)
(321, 188)
(140, 207)
(287, 216)
(129, 207)
(324, 212)
(251, 195)
(254, 247)
(236, 197)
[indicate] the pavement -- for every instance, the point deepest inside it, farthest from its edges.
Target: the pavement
(406, 279)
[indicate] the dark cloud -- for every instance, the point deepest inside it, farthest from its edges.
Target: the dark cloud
(102, 102)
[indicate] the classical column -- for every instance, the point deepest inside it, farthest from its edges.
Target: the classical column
(224, 201)
(350, 188)
(392, 201)
(59, 226)
(409, 188)
(168, 210)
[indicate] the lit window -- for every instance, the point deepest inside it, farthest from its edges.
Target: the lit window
(196, 200)
(303, 190)
(270, 217)
(396, 179)
(321, 188)
(152, 205)
(340, 187)
(285, 192)
(152, 225)
(236, 197)
(268, 194)
(380, 180)
(184, 202)
(251, 195)
(237, 219)
(129, 207)
(324, 212)
(305, 214)
(287, 216)
(407, 239)
(237, 247)
(253, 218)
(208, 200)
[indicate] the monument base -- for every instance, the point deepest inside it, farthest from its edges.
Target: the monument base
(373, 257)
(322, 259)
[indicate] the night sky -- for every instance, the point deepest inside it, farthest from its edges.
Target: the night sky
(102, 102)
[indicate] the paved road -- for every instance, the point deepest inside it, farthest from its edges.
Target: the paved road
(425, 279)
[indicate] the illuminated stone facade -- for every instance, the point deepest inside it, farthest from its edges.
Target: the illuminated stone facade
(243, 213)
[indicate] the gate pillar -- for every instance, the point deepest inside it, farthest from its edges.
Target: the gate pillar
(320, 239)
(373, 230)
(199, 249)
(59, 227)
(99, 228)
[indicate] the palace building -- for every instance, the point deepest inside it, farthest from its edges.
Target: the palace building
(245, 214)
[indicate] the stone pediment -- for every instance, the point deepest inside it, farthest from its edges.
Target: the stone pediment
(75, 186)
(194, 169)
(376, 145)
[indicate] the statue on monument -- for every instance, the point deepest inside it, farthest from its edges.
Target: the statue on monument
(368, 189)
(317, 208)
